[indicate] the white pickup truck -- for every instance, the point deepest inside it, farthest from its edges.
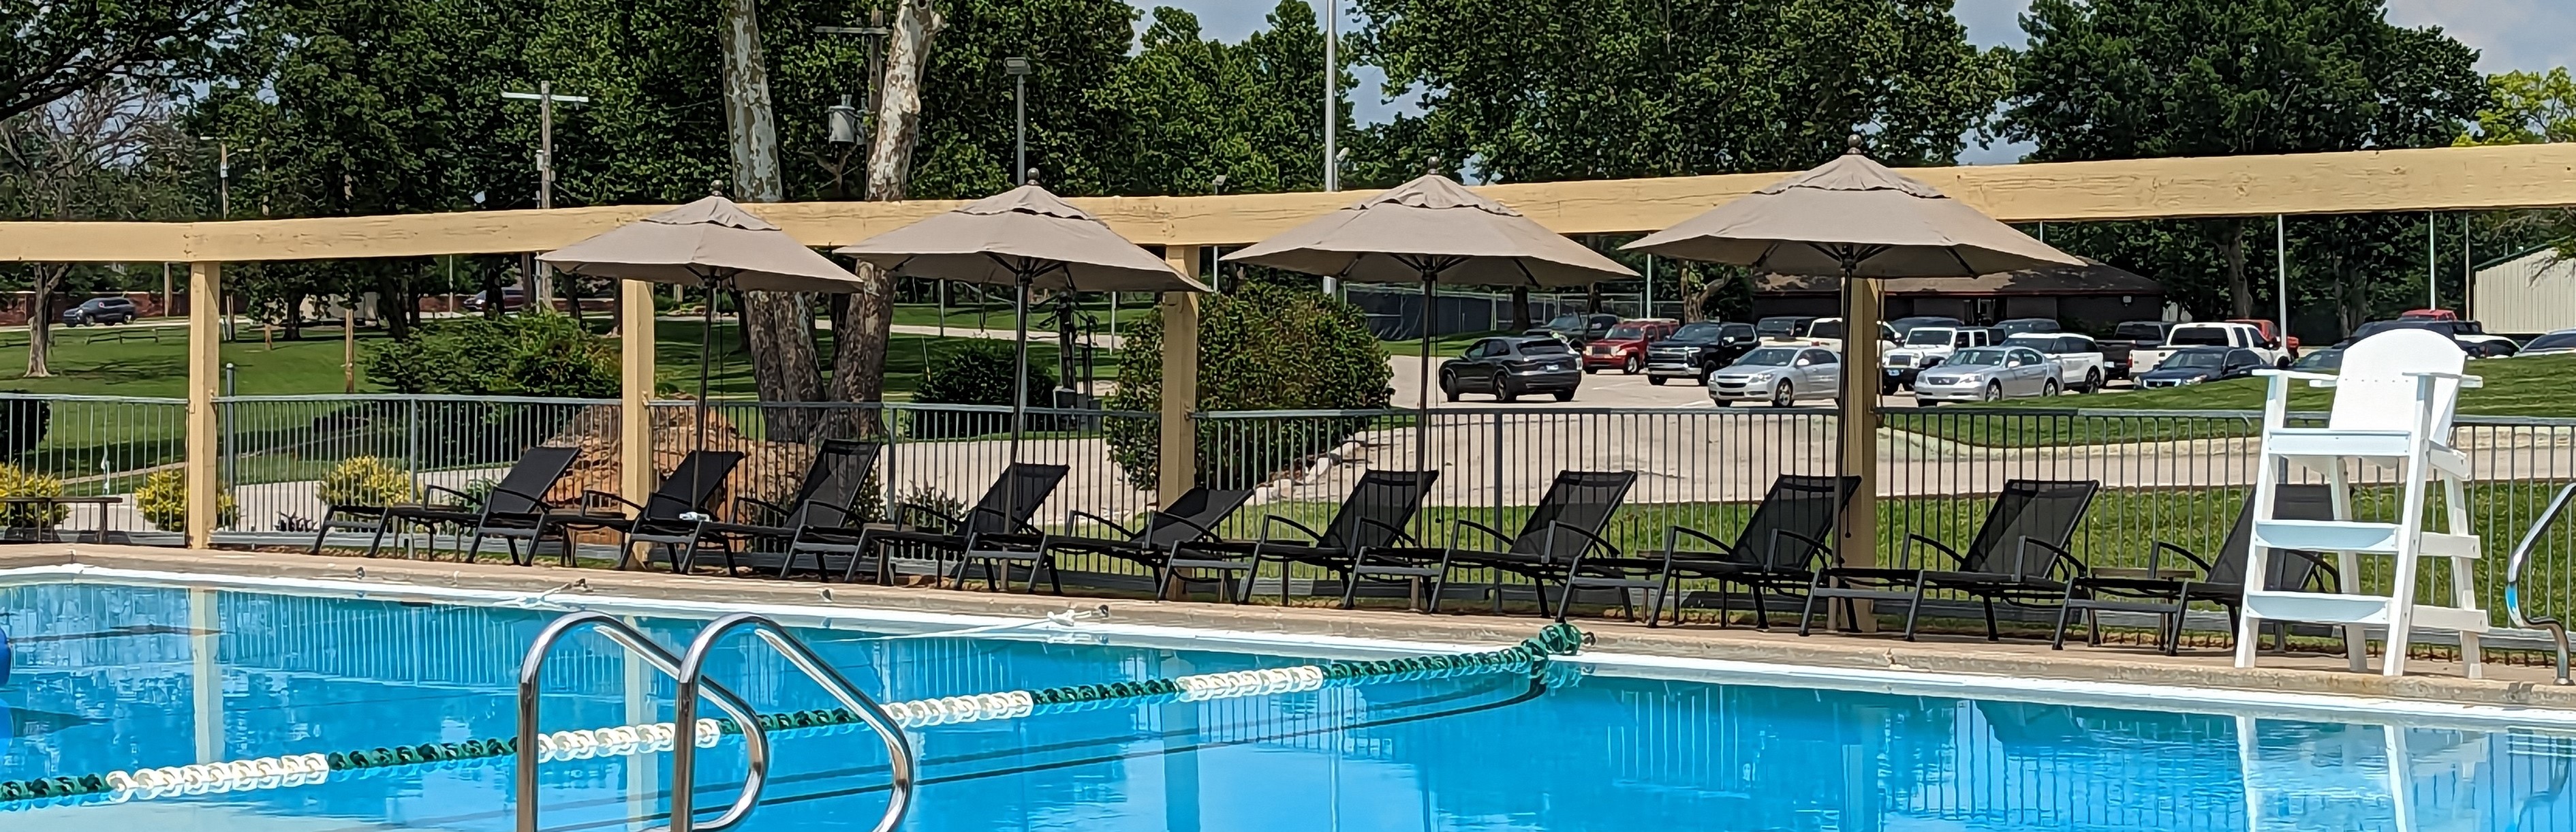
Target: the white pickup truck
(2080, 365)
(1927, 346)
(2186, 336)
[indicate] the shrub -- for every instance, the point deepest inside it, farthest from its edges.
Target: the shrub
(365, 481)
(977, 371)
(1261, 347)
(163, 501)
(534, 354)
(20, 482)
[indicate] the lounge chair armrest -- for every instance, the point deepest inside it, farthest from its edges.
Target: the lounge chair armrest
(589, 498)
(1592, 541)
(1016, 525)
(904, 511)
(1268, 519)
(768, 508)
(2467, 382)
(1205, 533)
(1396, 530)
(1673, 539)
(1489, 531)
(1071, 516)
(2155, 558)
(841, 516)
(2056, 555)
(2313, 379)
(468, 499)
(1911, 539)
(1814, 546)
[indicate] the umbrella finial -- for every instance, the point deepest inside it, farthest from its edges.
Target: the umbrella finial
(1431, 167)
(1030, 177)
(715, 187)
(1851, 145)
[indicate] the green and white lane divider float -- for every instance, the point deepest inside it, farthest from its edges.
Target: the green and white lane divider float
(1530, 656)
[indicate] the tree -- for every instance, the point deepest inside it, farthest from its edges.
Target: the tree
(2120, 79)
(1536, 91)
(1190, 110)
(90, 155)
(2527, 108)
(61, 48)
(863, 325)
(1262, 346)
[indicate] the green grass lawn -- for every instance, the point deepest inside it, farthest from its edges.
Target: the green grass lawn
(729, 366)
(1446, 346)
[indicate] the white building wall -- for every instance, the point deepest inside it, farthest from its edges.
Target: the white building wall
(2529, 295)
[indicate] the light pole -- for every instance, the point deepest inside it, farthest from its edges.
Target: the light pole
(848, 126)
(1019, 71)
(1332, 112)
(545, 97)
(223, 177)
(1215, 255)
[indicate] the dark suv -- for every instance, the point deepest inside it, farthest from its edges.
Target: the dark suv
(101, 311)
(1508, 367)
(1698, 349)
(1577, 329)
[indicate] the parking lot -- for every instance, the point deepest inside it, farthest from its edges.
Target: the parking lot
(1609, 388)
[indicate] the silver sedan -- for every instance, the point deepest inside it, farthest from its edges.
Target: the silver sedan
(1987, 374)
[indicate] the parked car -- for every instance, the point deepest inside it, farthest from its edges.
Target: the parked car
(1926, 347)
(2428, 315)
(1509, 367)
(2470, 335)
(2270, 333)
(2203, 364)
(101, 311)
(1696, 349)
(1988, 374)
(1907, 325)
(1782, 327)
(2555, 343)
(1623, 348)
(2010, 327)
(2487, 346)
(512, 297)
(2218, 334)
(2080, 365)
(1780, 375)
(1828, 333)
(2321, 360)
(2142, 334)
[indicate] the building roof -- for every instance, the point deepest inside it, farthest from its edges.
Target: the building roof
(2092, 278)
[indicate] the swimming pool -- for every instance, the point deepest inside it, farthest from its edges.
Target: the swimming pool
(112, 676)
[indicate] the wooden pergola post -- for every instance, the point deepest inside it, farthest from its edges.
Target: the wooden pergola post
(1178, 444)
(635, 474)
(205, 363)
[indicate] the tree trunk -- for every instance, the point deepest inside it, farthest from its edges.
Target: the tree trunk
(2239, 294)
(293, 321)
(491, 291)
(1520, 309)
(859, 352)
(779, 326)
(40, 319)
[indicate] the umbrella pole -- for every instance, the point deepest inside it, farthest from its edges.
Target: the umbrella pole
(1422, 391)
(1857, 449)
(1020, 372)
(706, 337)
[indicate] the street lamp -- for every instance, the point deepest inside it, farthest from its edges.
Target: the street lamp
(847, 125)
(538, 288)
(1019, 70)
(843, 122)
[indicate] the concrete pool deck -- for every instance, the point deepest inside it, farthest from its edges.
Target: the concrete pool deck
(2435, 681)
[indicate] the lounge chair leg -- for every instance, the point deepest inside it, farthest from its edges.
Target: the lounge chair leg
(1991, 635)
(1655, 611)
(1912, 611)
(1761, 609)
(2057, 635)
(2092, 628)
(1807, 609)
(1726, 606)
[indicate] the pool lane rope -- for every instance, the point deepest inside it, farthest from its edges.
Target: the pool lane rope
(1530, 656)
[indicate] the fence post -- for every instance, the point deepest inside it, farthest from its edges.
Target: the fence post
(1498, 470)
(635, 473)
(204, 352)
(1177, 439)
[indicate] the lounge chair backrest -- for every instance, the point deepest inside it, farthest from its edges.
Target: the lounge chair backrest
(1387, 499)
(1014, 498)
(1798, 504)
(1579, 499)
(1203, 506)
(691, 486)
(839, 473)
(2297, 502)
(2374, 392)
(2042, 510)
(534, 474)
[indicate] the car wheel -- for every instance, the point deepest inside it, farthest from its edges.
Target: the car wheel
(1994, 391)
(2048, 388)
(2282, 364)
(1507, 391)
(1784, 396)
(2093, 381)
(1887, 388)
(1655, 380)
(1633, 366)
(1591, 370)
(1926, 403)
(1721, 402)
(1449, 386)
(1565, 395)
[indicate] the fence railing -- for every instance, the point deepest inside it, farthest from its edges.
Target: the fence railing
(2174, 476)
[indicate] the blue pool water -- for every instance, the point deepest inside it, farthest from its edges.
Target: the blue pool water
(113, 677)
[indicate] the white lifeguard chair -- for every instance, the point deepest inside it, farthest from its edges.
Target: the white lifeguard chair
(2393, 405)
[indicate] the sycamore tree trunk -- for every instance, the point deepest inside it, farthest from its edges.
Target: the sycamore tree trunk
(859, 352)
(779, 326)
(1520, 309)
(40, 318)
(2240, 294)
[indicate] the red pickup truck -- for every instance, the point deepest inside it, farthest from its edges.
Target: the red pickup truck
(1624, 348)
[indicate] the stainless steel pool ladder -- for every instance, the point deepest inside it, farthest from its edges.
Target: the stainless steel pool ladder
(690, 673)
(2513, 580)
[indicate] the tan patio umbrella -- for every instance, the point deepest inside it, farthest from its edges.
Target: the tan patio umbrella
(1853, 218)
(1431, 231)
(1024, 237)
(711, 243)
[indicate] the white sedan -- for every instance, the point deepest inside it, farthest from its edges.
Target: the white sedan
(1987, 374)
(1779, 375)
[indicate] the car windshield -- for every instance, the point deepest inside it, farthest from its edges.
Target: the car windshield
(1927, 337)
(2018, 327)
(2051, 344)
(1566, 322)
(2552, 341)
(1768, 357)
(2194, 360)
(1976, 358)
(1627, 333)
(1825, 329)
(2320, 360)
(2199, 335)
(1776, 327)
(1698, 333)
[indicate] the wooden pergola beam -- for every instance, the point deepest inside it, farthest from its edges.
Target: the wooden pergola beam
(2435, 179)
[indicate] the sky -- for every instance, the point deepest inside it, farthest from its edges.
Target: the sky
(2508, 34)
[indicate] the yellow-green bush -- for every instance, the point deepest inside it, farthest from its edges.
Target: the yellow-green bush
(365, 481)
(19, 482)
(163, 501)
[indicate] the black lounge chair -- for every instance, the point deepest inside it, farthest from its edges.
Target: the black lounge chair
(2018, 556)
(1005, 509)
(689, 489)
(2220, 581)
(821, 509)
(514, 502)
(1565, 525)
(1193, 517)
(1372, 517)
(1777, 550)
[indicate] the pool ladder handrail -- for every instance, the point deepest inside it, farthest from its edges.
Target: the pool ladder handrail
(2513, 580)
(685, 733)
(900, 760)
